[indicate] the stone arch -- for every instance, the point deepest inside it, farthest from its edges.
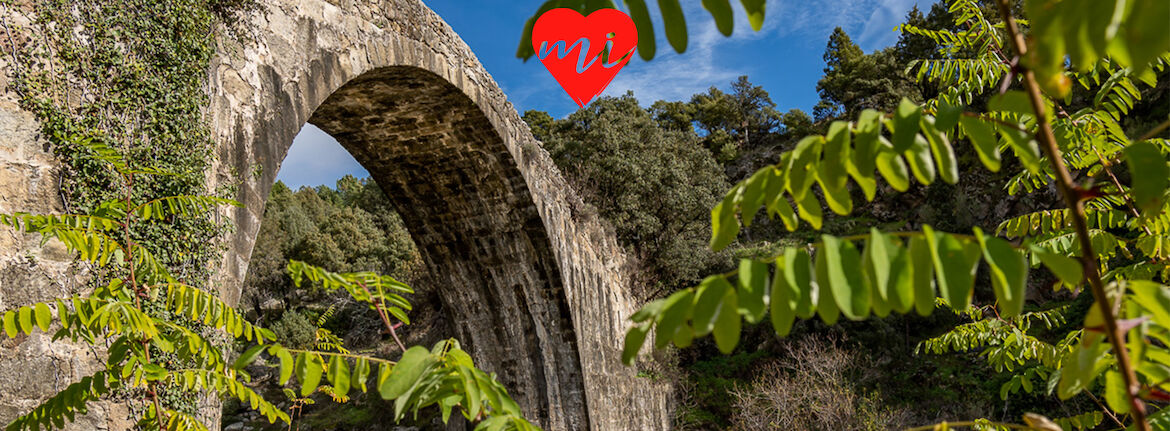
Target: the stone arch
(537, 291)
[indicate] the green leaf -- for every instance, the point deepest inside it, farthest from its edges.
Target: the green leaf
(982, 137)
(1012, 101)
(1143, 37)
(1009, 273)
(727, 325)
(1024, 147)
(286, 365)
(1065, 268)
(802, 171)
(676, 24)
(721, 11)
(876, 264)
(923, 275)
(783, 298)
(24, 316)
(707, 303)
(415, 362)
(683, 336)
(1153, 297)
(596, 5)
(825, 301)
(905, 125)
(10, 324)
(955, 262)
(1149, 173)
(675, 313)
(1081, 365)
(43, 316)
(784, 211)
(753, 289)
(944, 154)
(641, 16)
(649, 310)
(832, 173)
(309, 372)
(865, 143)
(755, 12)
(947, 115)
(1115, 392)
(361, 372)
(868, 184)
(866, 148)
(838, 199)
(841, 273)
(881, 307)
(753, 194)
(724, 226)
(338, 374)
(633, 342)
(894, 170)
(798, 277)
(525, 50)
(901, 284)
(920, 162)
(810, 210)
(248, 357)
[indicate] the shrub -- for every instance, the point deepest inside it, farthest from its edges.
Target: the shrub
(814, 387)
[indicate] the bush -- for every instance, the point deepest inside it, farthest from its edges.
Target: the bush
(814, 387)
(295, 330)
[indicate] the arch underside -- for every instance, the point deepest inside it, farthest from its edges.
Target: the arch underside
(470, 212)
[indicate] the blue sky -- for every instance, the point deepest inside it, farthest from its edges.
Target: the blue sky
(784, 57)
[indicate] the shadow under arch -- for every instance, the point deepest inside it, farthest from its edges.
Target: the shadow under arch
(468, 208)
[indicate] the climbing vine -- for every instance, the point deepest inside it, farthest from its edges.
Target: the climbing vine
(130, 74)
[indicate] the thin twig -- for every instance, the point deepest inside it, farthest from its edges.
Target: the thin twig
(381, 308)
(344, 355)
(1105, 409)
(1156, 130)
(1076, 204)
(1128, 199)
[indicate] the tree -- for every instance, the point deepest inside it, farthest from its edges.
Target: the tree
(1052, 139)
(653, 185)
(913, 46)
(350, 228)
(854, 81)
(796, 123)
(678, 116)
(733, 122)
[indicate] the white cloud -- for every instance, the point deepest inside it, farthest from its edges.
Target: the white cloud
(315, 158)
(870, 22)
(879, 30)
(673, 76)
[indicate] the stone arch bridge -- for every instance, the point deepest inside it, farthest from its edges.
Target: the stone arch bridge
(536, 292)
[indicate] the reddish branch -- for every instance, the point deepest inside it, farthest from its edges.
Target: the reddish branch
(1073, 198)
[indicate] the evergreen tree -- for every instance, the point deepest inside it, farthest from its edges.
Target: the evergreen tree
(855, 81)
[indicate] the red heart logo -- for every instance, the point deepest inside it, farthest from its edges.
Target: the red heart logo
(570, 46)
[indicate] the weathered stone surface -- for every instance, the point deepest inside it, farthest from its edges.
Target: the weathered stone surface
(34, 367)
(535, 293)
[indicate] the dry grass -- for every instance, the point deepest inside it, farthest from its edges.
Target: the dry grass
(814, 387)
